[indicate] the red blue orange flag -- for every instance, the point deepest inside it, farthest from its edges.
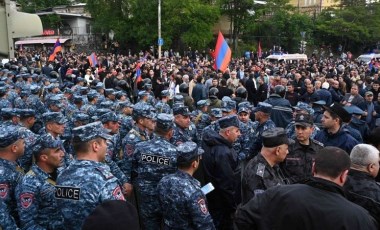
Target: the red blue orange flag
(222, 53)
(57, 48)
(138, 74)
(93, 60)
(259, 51)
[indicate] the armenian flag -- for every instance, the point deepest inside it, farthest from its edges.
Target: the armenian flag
(57, 48)
(222, 53)
(93, 59)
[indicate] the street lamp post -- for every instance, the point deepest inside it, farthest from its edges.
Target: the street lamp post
(159, 29)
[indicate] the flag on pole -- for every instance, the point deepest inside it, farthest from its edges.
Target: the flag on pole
(259, 51)
(57, 48)
(222, 54)
(138, 74)
(93, 59)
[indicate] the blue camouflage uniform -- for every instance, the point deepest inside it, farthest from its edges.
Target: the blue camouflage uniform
(6, 221)
(84, 184)
(181, 135)
(36, 203)
(183, 204)
(134, 136)
(153, 160)
(163, 107)
(256, 136)
(113, 149)
(10, 173)
(30, 138)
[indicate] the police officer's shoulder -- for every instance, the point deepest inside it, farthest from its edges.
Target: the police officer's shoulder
(318, 143)
(30, 173)
(105, 173)
(260, 169)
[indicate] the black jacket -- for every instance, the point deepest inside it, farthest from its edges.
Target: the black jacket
(220, 167)
(318, 204)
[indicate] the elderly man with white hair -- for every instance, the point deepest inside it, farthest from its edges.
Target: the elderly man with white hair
(361, 185)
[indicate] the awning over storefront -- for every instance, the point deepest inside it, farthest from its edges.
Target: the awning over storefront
(41, 41)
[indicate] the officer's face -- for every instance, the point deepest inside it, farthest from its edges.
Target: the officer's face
(303, 133)
(102, 148)
(113, 126)
(58, 128)
(282, 151)
(148, 123)
(55, 157)
(182, 121)
(20, 147)
(244, 117)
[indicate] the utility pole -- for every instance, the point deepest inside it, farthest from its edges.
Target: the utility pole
(159, 29)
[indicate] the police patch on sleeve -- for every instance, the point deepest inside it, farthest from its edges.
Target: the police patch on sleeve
(260, 170)
(26, 200)
(202, 206)
(118, 194)
(129, 149)
(4, 188)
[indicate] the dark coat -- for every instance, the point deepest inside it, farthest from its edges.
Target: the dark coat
(318, 204)
(220, 167)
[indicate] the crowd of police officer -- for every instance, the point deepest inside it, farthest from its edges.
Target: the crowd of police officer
(69, 143)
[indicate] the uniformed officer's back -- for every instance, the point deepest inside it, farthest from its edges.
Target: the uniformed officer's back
(86, 182)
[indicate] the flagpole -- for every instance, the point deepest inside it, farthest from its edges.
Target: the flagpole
(159, 29)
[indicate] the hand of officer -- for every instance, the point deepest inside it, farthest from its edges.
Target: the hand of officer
(127, 189)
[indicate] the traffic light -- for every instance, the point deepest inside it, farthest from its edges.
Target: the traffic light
(14, 24)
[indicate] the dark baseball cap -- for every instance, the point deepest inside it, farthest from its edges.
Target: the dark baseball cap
(188, 151)
(305, 120)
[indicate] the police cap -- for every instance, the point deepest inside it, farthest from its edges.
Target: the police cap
(8, 136)
(188, 151)
(228, 121)
(91, 131)
(165, 121)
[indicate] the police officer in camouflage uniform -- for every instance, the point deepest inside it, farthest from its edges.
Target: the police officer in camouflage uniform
(11, 148)
(182, 201)
(27, 119)
(361, 185)
(4, 102)
(200, 117)
(262, 171)
(143, 117)
(162, 106)
(86, 182)
(262, 123)
(55, 126)
(246, 129)
(184, 130)
(110, 122)
(125, 109)
(90, 107)
(298, 163)
(37, 206)
(152, 160)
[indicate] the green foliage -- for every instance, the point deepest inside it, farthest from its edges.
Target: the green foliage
(354, 26)
(184, 23)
